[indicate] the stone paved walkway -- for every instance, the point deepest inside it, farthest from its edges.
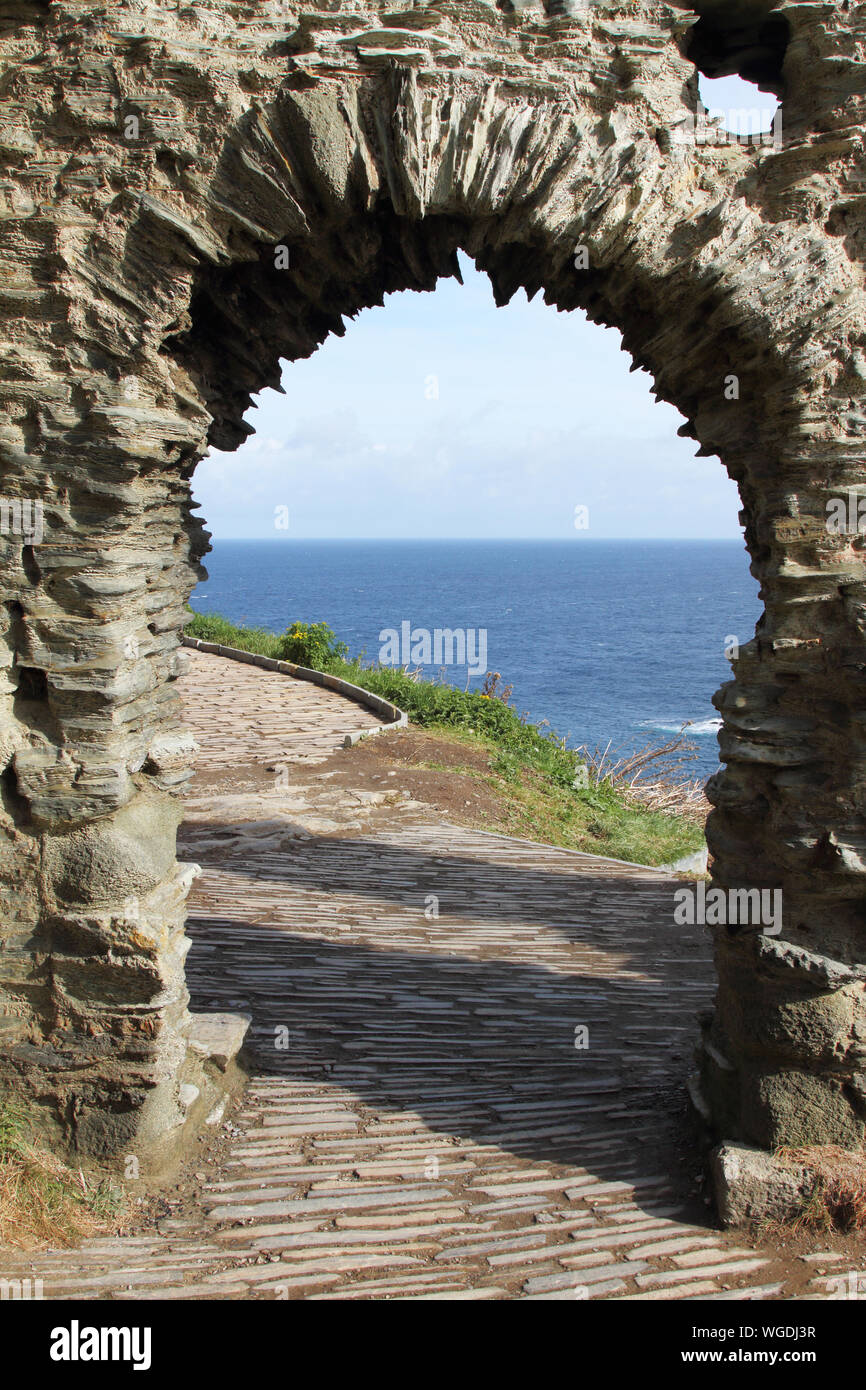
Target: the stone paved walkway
(467, 1052)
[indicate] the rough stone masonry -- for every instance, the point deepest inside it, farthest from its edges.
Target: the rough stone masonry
(190, 193)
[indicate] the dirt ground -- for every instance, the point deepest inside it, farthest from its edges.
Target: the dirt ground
(455, 790)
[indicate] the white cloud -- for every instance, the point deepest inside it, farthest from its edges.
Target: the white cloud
(536, 412)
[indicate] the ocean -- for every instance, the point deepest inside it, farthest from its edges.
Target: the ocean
(609, 641)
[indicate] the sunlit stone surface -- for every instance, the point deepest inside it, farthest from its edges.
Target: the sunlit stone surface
(189, 195)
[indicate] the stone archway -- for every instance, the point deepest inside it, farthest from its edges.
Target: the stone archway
(192, 194)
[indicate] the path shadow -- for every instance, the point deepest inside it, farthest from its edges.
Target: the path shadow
(614, 908)
(479, 1045)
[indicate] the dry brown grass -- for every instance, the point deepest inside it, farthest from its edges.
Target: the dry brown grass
(43, 1202)
(653, 777)
(836, 1199)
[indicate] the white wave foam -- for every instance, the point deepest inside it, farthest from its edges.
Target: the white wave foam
(700, 726)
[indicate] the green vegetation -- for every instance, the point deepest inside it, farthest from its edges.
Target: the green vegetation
(212, 628)
(536, 806)
(529, 767)
(306, 644)
(313, 645)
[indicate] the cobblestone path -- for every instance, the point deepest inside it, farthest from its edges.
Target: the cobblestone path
(467, 1052)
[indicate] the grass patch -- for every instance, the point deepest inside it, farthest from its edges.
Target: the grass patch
(213, 628)
(42, 1202)
(835, 1199)
(533, 806)
(547, 790)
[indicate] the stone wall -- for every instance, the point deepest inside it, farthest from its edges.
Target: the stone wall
(191, 194)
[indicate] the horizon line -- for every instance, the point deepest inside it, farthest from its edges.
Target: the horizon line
(563, 540)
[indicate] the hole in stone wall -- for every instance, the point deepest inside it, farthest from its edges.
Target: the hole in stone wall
(743, 109)
(29, 565)
(459, 466)
(740, 57)
(13, 803)
(735, 43)
(32, 683)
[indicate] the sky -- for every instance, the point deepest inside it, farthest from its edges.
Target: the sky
(440, 416)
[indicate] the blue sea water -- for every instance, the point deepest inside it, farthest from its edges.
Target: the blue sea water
(619, 641)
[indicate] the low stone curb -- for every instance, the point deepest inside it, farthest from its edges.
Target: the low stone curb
(394, 716)
(696, 863)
